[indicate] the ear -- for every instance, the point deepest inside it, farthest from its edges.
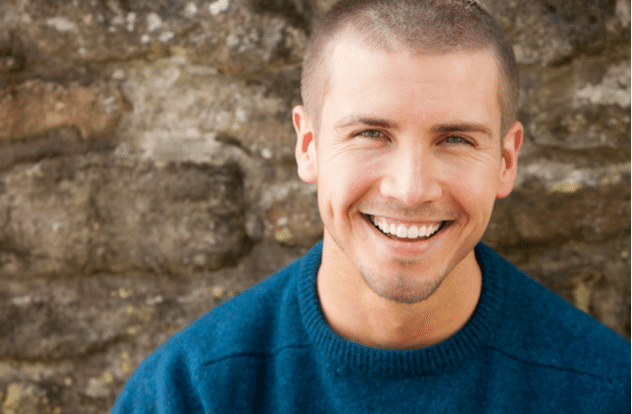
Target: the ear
(509, 168)
(305, 150)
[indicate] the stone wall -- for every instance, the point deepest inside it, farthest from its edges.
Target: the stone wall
(147, 173)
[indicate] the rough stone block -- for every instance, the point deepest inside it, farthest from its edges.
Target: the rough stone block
(35, 107)
(295, 219)
(25, 398)
(182, 112)
(584, 105)
(236, 37)
(179, 218)
(48, 224)
(72, 318)
(548, 33)
(73, 214)
(55, 142)
(536, 216)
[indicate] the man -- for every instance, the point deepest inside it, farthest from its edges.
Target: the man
(408, 130)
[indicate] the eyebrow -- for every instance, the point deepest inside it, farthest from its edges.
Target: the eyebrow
(437, 129)
(350, 120)
(463, 127)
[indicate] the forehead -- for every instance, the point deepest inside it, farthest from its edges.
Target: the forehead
(362, 77)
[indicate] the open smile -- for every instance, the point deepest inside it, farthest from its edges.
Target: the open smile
(406, 232)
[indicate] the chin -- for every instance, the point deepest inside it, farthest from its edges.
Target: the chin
(401, 283)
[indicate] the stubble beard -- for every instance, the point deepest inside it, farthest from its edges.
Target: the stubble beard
(402, 288)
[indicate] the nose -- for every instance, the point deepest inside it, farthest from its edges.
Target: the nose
(411, 177)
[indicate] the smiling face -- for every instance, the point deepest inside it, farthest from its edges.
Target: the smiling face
(408, 162)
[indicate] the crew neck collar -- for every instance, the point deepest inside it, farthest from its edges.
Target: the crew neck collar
(361, 359)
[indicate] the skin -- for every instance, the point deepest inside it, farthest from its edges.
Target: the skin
(411, 140)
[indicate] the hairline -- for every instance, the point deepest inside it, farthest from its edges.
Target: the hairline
(323, 71)
(315, 80)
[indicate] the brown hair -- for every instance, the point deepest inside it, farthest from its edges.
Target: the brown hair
(423, 27)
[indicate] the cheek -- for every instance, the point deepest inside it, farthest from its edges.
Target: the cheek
(474, 184)
(344, 179)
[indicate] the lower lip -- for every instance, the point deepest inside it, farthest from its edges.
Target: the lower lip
(408, 247)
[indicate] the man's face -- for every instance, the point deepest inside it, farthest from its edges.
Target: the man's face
(408, 145)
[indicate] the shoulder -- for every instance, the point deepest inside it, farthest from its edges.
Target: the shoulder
(542, 329)
(215, 349)
(233, 326)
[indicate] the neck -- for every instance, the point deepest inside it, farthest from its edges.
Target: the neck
(357, 313)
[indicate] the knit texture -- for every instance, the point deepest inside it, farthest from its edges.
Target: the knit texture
(270, 350)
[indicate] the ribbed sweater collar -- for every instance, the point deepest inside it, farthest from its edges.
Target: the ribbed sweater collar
(360, 359)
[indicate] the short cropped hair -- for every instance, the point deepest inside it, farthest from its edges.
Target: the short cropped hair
(423, 27)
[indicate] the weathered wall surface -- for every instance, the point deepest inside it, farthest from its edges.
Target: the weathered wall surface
(147, 173)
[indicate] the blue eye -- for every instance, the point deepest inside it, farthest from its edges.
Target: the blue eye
(456, 140)
(371, 133)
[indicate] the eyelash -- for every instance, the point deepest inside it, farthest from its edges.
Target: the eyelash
(462, 140)
(362, 133)
(446, 139)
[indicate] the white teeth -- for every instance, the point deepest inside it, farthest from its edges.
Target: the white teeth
(381, 224)
(402, 231)
(432, 229)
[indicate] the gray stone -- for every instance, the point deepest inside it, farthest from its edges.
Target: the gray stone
(535, 216)
(231, 38)
(219, 118)
(173, 218)
(552, 32)
(75, 317)
(584, 105)
(294, 218)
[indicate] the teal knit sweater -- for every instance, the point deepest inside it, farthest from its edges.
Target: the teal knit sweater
(270, 350)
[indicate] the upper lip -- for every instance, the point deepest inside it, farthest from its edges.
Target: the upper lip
(406, 220)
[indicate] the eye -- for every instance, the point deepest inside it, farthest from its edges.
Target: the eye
(456, 140)
(371, 133)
